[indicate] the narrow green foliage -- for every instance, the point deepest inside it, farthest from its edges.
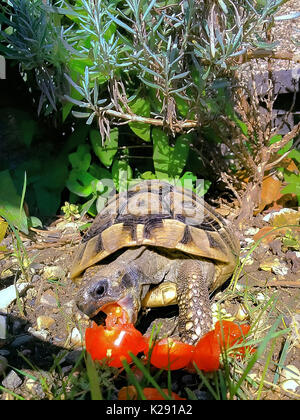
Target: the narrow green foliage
(95, 389)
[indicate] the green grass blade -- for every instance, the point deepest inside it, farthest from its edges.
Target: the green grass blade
(256, 356)
(95, 389)
(133, 380)
(148, 376)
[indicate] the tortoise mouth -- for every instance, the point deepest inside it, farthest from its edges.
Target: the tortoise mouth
(93, 309)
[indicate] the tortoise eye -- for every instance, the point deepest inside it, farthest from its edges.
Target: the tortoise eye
(99, 289)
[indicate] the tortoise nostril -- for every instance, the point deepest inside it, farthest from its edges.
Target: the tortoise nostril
(99, 289)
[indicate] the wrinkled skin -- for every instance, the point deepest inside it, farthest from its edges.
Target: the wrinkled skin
(126, 280)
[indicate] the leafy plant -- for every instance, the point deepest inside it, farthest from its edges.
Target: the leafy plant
(11, 204)
(162, 69)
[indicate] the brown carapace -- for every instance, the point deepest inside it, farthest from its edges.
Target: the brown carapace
(173, 221)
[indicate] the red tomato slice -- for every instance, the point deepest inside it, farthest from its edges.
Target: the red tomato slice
(115, 315)
(113, 343)
(207, 353)
(228, 333)
(171, 354)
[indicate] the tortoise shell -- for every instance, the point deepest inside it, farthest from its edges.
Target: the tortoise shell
(156, 213)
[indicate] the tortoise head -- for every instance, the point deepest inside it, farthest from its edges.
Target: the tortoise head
(112, 283)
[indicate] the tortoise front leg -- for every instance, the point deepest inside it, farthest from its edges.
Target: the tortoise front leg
(195, 317)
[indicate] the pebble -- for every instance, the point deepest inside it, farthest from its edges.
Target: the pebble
(8, 295)
(76, 337)
(295, 325)
(35, 387)
(261, 297)
(247, 260)
(49, 298)
(251, 231)
(292, 378)
(280, 270)
(270, 216)
(54, 271)
(37, 266)
(269, 264)
(3, 365)
(12, 381)
(41, 334)
(21, 340)
(44, 322)
(6, 273)
(241, 314)
(35, 278)
(3, 325)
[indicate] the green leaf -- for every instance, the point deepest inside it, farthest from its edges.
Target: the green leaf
(10, 203)
(295, 154)
(161, 153)
(148, 175)
(121, 174)
(169, 162)
(28, 128)
(293, 186)
(80, 182)
(179, 155)
(49, 186)
(285, 148)
(92, 373)
(275, 139)
(182, 106)
(141, 107)
(81, 159)
(241, 125)
(106, 152)
(35, 222)
(78, 65)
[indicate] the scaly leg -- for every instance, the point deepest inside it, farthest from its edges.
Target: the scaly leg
(195, 318)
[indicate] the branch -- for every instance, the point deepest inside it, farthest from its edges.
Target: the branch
(285, 139)
(179, 125)
(262, 53)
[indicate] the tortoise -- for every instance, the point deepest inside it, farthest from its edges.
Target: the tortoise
(156, 245)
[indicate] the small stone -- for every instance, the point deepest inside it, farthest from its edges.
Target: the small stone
(44, 322)
(76, 337)
(22, 340)
(49, 298)
(12, 381)
(260, 297)
(269, 263)
(35, 278)
(37, 266)
(6, 273)
(54, 271)
(251, 231)
(3, 365)
(241, 314)
(35, 387)
(8, 295)
(247, 260)
(3, 325)
(280, 270)
(292, 378)
(41, 334)
(271, 216)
